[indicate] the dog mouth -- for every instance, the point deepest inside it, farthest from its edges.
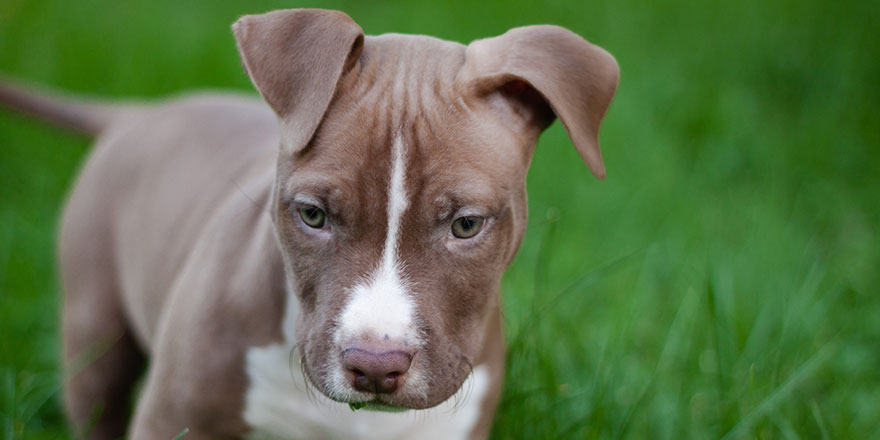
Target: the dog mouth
(393, 403)
(377, 405)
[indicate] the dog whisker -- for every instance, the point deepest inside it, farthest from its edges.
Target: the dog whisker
(463, 393)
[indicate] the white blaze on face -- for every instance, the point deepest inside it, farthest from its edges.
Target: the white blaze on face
(382, 306)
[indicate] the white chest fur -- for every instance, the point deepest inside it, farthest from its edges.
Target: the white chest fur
(278, 405)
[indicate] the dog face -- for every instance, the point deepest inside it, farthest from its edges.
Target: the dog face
(400, 187)
(398, 220)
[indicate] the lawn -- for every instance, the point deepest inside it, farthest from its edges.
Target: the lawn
(720, 283)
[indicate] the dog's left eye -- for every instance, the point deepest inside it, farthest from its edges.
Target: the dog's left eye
(313, 216)
(467, 227)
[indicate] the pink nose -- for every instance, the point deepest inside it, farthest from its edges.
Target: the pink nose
(375, 372)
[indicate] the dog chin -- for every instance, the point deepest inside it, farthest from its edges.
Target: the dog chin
(399, 402)
(377, 406)
(392, 404)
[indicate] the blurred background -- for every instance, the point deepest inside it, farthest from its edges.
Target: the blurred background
(722, 282)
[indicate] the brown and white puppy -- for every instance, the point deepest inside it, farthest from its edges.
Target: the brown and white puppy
(363, 242)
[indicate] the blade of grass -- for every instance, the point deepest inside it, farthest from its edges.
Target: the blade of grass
(777, 396)
(662, 362)
(817, 413)
(785, 427)
(586, 280)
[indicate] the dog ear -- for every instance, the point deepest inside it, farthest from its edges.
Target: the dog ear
(295, 58)
(539, 72)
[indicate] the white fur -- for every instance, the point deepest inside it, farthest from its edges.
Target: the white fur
(278, 405)
(382, 306)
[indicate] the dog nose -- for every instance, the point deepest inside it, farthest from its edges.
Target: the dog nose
(375, 372)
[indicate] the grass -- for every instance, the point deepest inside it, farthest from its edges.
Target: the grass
(721, 283)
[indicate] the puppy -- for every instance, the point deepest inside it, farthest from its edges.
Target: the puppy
(336, 247)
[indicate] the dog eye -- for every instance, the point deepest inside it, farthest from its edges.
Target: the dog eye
(467, 227)
(313, 216)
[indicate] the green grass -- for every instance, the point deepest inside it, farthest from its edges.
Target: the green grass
(722, 282)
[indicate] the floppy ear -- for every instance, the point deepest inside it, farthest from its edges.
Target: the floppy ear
(542, 71)
(295, 58)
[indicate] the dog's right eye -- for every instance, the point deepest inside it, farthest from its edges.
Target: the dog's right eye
(467, 227)
(312, 216)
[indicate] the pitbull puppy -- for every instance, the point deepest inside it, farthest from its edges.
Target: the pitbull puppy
(338, 249)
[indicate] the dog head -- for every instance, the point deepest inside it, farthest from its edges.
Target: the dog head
(399, 197)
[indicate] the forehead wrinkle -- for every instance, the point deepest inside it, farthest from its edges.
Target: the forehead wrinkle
(407, 75)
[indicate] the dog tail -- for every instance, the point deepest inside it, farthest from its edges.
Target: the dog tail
(81, 115)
